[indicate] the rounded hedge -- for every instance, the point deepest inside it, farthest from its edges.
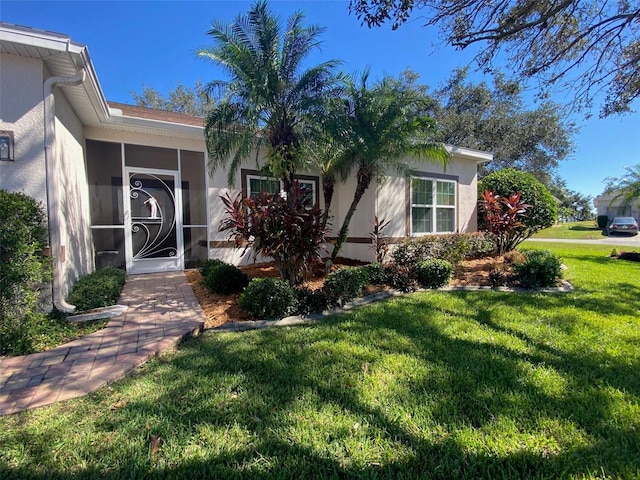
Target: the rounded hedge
(224, 279)
(541, 268)
(434, 273)
(543, 211)
(268, 298)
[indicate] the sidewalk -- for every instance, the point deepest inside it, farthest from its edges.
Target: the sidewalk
(162, 310)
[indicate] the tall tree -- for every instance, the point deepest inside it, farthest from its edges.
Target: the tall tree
(494, 118)
(270, 99)
(626, 187)
(191, 101)
(572, 205)
(585, 47)
(378, 128)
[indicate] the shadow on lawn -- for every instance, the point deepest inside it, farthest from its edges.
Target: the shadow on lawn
(268, 383)
(452, 406)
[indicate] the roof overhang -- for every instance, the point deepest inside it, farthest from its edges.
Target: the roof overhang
(470, 154)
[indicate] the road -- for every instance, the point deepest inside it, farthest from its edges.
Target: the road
(613, 241)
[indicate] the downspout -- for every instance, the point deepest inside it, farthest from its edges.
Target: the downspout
(52, 171)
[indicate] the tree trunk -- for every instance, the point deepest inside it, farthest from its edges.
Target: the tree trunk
(364, 179)
(327, 193)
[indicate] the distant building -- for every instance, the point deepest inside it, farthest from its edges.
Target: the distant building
(613, 205)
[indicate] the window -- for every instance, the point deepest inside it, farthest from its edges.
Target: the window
(433, 206)
(257, 184)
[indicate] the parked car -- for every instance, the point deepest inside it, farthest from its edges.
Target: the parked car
(623, 225)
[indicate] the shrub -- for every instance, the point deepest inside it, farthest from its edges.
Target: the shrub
(502, 217)
(98, 289)
(289, 230)
(268, 298)
(207, 265)
(434, 273)
(603, 221)
(631, 256)
(400, 278)
(541, 268)
(481, 244)
(377, 275)
(514, 257)
(224, 279)
(543, 209)
(346, 283)
(23, 268)
(453, 247)
(311, 301)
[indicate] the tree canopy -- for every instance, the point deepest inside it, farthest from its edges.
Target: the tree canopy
(270, 98)
(626, 187)
(586, 47)
(494, 118)
(379, 127)
(190, 101)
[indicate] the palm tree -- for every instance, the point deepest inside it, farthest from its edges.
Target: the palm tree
(626, 187)
(378, 128)
(270, 98)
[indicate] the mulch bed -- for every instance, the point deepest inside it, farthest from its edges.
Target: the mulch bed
(221, 309)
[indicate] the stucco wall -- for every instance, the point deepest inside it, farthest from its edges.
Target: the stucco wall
(73, 192)
(608, 204)
(387, 200)
(22, 112)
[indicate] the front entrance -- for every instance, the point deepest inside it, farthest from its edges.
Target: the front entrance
(153, 220)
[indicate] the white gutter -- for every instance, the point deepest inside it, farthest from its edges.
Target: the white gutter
(52, 170)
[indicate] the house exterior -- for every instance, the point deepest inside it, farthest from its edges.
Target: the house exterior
(613, 205)
(129, 187)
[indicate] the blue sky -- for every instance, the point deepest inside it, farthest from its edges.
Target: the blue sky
(153, 43)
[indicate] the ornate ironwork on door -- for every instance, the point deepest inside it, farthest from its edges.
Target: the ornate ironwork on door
(153, 215)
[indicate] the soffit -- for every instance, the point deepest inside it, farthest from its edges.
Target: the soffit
(62, 58)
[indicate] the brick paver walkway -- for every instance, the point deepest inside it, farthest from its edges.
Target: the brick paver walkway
(162, 310)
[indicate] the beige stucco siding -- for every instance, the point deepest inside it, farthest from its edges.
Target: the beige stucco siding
(387, 200)
(22, 112)
(73, 191)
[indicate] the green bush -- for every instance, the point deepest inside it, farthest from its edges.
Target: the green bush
(268, 298)
(224, 279)
(603, 221)
(23, 268)
(311, 301)
(207, 265)
(98, 289)
(400, 278)
(377, 275)
(346, 283)
(453, 247)
(543, 209)
(541, 268)
(434, 273)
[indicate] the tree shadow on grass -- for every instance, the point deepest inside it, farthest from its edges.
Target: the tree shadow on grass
(270, 386)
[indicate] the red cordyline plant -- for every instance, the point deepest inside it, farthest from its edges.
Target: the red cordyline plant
(379, 241)
(502, 216)
(289, 230)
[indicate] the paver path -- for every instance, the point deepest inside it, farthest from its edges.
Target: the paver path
(162, 310)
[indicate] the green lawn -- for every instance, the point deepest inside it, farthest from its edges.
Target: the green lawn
(586, 230)
(431, 385)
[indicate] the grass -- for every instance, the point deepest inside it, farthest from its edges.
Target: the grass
(586, 230)
(431, 385)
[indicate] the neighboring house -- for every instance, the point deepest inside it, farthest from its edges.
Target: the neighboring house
(613, 205)
(128, 186)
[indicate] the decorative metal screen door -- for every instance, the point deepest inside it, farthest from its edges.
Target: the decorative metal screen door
(153, 220)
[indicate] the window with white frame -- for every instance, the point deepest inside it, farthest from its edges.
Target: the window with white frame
(257, 184)
(433, 206)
